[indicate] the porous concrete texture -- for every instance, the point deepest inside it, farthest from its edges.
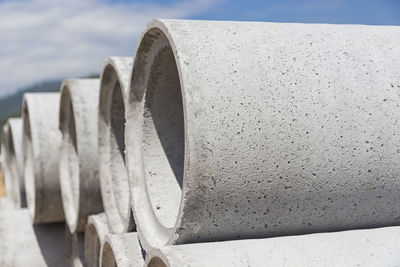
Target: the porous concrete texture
(372, 247)
(14, 161)
(113, 174)
(121, 250)
(74, 248)
(23, 245)
(246, 130)
(41, 146)
(78, 166)
(96, 230)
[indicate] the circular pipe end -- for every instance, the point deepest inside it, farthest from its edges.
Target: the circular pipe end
(113, 173)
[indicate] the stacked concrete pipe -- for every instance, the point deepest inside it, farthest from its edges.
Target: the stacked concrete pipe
(96, 230)
(78, 169)
(113, 173)
(122, 250)
(41, 146)
(371, 247)
(4, 164)
(248, 130)
(14, 161)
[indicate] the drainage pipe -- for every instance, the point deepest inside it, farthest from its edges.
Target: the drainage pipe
(96, 230)
(113, 173)
(14, 153)
(41, 146)
(78, 166)
(122, 250)
(249, 130)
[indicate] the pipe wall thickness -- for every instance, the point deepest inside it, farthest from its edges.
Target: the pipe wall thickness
(248, 130)
(41, 147)
(122, 250)
(113, 173)
(96, 230)
(78, 166)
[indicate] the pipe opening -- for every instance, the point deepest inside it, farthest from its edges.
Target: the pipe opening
(156, 262)
(69, 161)
(163, 138)
(29, 174)
(117, 149)
(113, 173)
(107, 257)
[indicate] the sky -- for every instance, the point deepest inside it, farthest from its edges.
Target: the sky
(57, 39)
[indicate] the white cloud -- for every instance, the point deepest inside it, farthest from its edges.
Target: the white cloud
(44, 39)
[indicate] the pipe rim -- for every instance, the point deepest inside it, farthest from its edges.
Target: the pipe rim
(121, 250)
(28, 156)
(69, 160)
(151, 231)
(114, 177)
(96, 229)
(12, 161)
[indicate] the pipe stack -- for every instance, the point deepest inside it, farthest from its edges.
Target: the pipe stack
(220, 143)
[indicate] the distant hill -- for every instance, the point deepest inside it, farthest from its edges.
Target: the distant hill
(10, 105)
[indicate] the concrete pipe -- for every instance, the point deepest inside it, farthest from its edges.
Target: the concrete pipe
(41, 144)
(113, 174)
(74, 248)
(371, 247)
(25, 245)
(78, 166)
(121, 250)
(5, 166)
(15, 166)
(248, 130)
(96, 230)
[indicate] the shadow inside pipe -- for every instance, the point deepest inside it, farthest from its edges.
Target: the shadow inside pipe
(51, 240)
(164, 102)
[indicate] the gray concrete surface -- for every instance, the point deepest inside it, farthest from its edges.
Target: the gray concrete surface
(14, 161)
(372, 247)
(247, 130)
(25, 245)
(96, 230)
(113, 174)
(74, 243)
(78, 166)
(41, 146)
(122, 250)
(5, 168)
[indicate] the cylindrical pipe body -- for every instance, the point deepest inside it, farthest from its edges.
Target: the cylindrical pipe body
(248, 130)
(371, 247)
(14, 160)
(78, 166)
(41, 147)
(122, 250)
(96, 230)
(112, 169)
(5, 166)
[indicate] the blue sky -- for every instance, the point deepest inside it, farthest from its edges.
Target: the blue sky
(47, 39)
(374, 12)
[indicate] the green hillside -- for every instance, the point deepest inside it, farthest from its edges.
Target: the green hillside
(10, 105)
